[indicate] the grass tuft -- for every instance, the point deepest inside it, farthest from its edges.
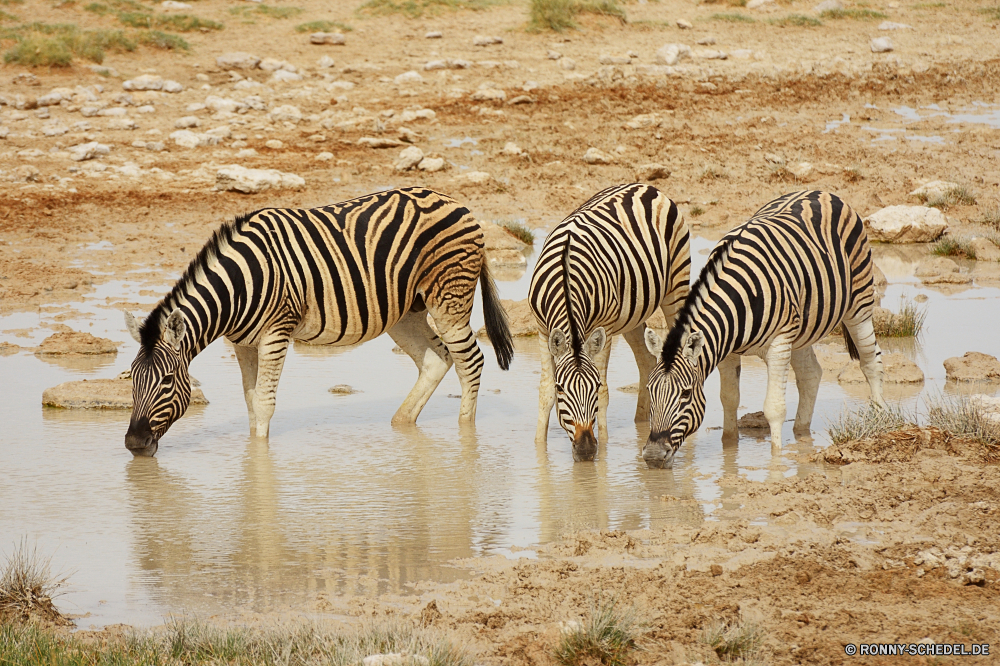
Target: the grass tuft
(992, 13)
(857, 14)
(418, 8)
(732, 18)
(322, 26)
(4, 16)
(560, 15)
(908, 322)
(518, 230)
(731, 3)
(736, 642)
(696, 211)
(27, 586)
(869, 421)
(266, 10)
(162, 40)
(956, 196)
(55, 45)
(607, 636)
(710, 172)
(853, 174)
(176, 22)
(954, 246)
(796, 21)
(962, 415)
(989, 214)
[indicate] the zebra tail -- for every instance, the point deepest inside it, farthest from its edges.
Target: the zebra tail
(496, 318)
(852, 348)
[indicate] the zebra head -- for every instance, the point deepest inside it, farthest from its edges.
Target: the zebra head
(577, 383)
(677, 398)
(161, 385)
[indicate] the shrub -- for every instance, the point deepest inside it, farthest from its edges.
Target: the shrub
(908, 322)
(27, 585)
(55, 45)
(267, 10)
(961, 415)
(954, 246)
(162, 40)
(989, 214)
(417, 8)
(738, 641)
(606, 637)
(869, 421)
(560, 15)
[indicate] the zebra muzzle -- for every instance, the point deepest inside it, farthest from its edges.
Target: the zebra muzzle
(584, 443)
(140, 440)
(658, 453)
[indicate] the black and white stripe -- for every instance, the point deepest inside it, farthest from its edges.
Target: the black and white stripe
(603, 271)
(336, 275)
(772, 287)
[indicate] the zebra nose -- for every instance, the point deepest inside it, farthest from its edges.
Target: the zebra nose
(139, 438)
(584, 443)
(657, 452)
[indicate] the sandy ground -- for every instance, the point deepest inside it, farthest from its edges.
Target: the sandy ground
(823, 561)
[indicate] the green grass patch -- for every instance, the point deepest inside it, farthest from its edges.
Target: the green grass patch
(322, 26)
(954, 246)
(697, 211)
(856, 14)
(11, 2)
(796, 21)
(4, 16)
(560, 15)
(731, 3)
(908, 322)
(518, 230)
(992, 13)
(956, 196)
(175, 22)
(732, 18)
(114, 6)
(607, 636)
(55, 45)
(266, 10)
(162, 40)
(867, 422)
(418, 8)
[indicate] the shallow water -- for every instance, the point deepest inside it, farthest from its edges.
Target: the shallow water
(339, 501)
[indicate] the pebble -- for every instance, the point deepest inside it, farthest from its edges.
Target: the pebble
(433, 34)
(274, 144)
(186, 122)
(567, 63)
(881, 45)
(431, 164)
(482, 40)
(706, 41)
(614, 60)
(241, 179)
(408, 158)
(889, 25)
(596, 156)
(283, 76)
(286, 113)
(411, 76)
(324, 157)
(488, 95)
(684, 24)
(188, 139)
(473, 178)
(88, 151)
(237, 60)
(327, 38)
(326, 62)
(670, 54)
(553, 55)
(511, 148)
(379, 142)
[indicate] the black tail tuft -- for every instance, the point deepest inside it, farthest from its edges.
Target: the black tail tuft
(852, 349)
(496, 318)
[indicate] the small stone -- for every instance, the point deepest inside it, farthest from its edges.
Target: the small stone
(597, 156)
(488, 95)
(933, 266)
(753, 421)
(327, 38)
(431, 164)
(802, 171)
(711, 54)
(974, 577)
(274, 144)
(284, 76)
(473, 178)
(246, 153)
(553, 55)
(936, 189)
(511, 148)
(972, 367)
(652, 172)
(88, 151)
(237, 60)
(411, 76)
(326, 62)
(324, 157)
(343, 389)
(802, 577)
(379, 142)
(486, 41)
(716, 569)
(521, 99)
(241, 179)
(409, 158)
(605, 59)
(906, 224)
(881, 45)
(706, 41)
(757, 4)
(828, 6)
(670, 54)
(27, 173)
(433, 34)
(186, 122)
(144, 82)
(684, 24)
(567, 63)
(286, 113)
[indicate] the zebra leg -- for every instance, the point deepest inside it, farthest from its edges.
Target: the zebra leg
(601, 361)
(729, 394)
(461, 342)
(777, 357)
(863, 333)
(247, 357)
(808, 373)
(636, 340)
(546, 389)
(414, 336)
(271, 354)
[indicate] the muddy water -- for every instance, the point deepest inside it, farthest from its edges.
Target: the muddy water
(339, 502)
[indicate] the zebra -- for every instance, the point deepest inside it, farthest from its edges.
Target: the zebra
(603, 271)
(336, 275)
(772, 287)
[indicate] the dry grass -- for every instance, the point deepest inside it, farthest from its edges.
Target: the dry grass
(322, 26)
(857, 14)
(161, 40)
(992, 13)
(960, 415)
(731, 3)
(711, 172)
(908, 322)
(796, 21)
(418, 8)
(957, 196)
(518, 230)
(737, 642)
(954, 246)
(732, 18)
(560, 15)
(607, 636)
(696, 211)
(853, 174)
(266, 10)
(27, 586)
(989, 214)
(869, 421)
(56, 45)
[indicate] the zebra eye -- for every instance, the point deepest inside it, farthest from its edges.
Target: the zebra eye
(166, 380)
(559, 389)
(686, 394)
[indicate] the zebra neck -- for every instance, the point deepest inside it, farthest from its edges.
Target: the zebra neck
(198, 334)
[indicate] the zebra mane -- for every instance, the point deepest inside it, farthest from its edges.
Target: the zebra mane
(152, 326)
(574, 334)
(685, 318)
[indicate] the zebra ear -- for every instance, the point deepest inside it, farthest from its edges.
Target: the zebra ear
(174, 329)
(653, 343)
(558, 344)
(596, 341)
(691, 347)
(133, 326)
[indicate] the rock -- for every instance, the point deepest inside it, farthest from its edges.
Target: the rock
(935, 266)
(55, 96)
(553, 55)
(27, 173)
(684, 24)
(249, 181)
(488, 95)
(645, 121)
(889, 25)
(286, 113)
(435, 64)
(753, 421)
(606, 59)
(974, 577)
(379, 142)
(237, 60)
(121, 124)
(670, 54)
(710, 54)
(409, 158)
(431, 164)
(411, 76)
(936, 189)
(985, 249)
(898, 369)
(756, 4)
(880, 45)
(274, 144)
(74, 342)
(652, 172)
(511, 148)
(171, 4)
(186, 122)
(989, 406)
(716, 569)
(144, 82)
(481, 40)
(88, 151)
(495, 237)
(706, 41)
(596, 156)
(803, 171)
(327, 38)
(473, 178)
(567, 63)
(434, 34)
(878, 278)
(284, 76)
(906, 224)
(172, 87)
(100, 394)
(343, 389)
(222, 132)
(247, 153)
(223, 104)
(326, 62)
(189, 139)
(973, 367)
(828, 6)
